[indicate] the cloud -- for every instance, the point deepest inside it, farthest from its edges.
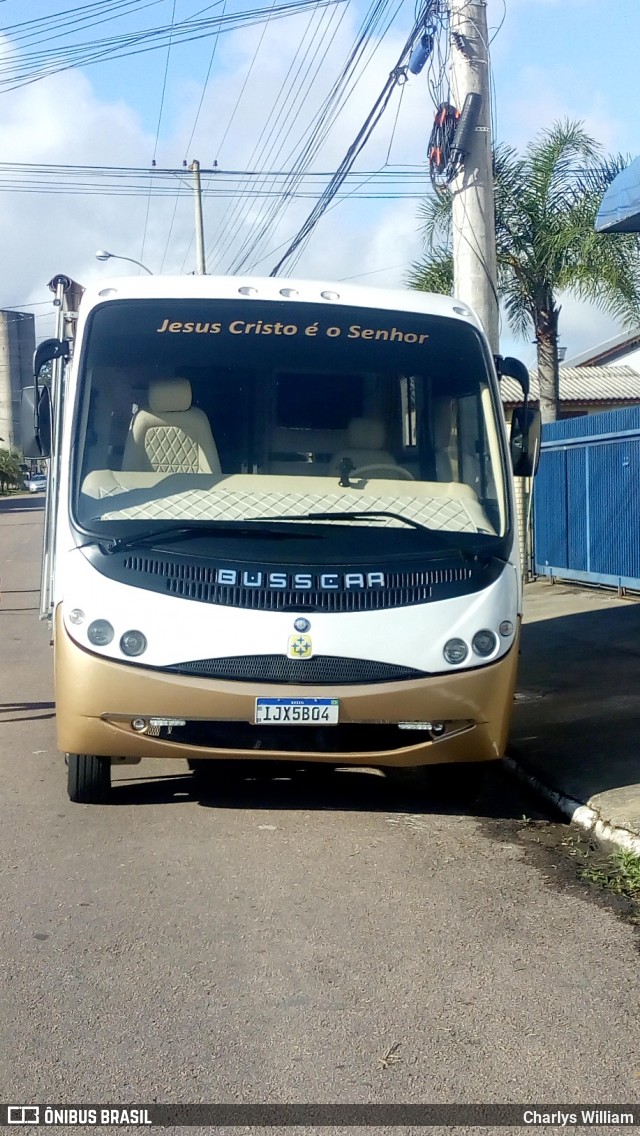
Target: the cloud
(248, 118)
(62, 119)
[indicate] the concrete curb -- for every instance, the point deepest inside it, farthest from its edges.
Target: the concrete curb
(585, 817)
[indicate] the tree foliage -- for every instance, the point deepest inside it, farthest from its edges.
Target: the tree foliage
(546, 202)
(10, 472)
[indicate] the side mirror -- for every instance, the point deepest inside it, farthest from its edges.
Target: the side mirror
(525, 441)
(35, 422)
(35, 406)
(46, 351)
(513, 369)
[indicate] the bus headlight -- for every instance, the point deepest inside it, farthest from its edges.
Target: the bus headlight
(133, 643)
(455, 651)
(484, 643)
(100, 633)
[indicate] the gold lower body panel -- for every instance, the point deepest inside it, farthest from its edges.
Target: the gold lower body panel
(98, 699)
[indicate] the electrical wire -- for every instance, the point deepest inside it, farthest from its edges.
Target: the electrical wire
(29, 68)
(230, 222)
(295, 97)
(155, 145)
(132, 181)
(227, 220)
(397, 75)
(314, 137)
(72, 20)
(282, 125)
(205, 86)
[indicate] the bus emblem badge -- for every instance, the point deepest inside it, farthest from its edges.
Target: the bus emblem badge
(299, 647)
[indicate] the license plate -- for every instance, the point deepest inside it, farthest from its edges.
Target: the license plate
(297, 711)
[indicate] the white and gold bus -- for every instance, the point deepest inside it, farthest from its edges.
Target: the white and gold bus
(280, 525)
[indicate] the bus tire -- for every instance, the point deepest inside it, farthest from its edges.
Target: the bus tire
(88, 778)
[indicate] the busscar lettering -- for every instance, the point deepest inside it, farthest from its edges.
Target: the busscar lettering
(354, 580)
(300, 581)
(329, 580)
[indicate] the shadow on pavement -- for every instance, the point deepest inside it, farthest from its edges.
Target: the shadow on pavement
(33, 504)
(24, 710)
(316, 788)
(576, 721)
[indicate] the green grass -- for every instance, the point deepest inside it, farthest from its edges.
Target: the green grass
(617, 872)
(621, 874)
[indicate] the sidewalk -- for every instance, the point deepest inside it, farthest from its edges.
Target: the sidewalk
(576, 725)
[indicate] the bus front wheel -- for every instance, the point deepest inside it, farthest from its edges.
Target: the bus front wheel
(88, 778)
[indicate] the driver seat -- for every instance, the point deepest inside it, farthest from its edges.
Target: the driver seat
(365, 445)
(171, 436)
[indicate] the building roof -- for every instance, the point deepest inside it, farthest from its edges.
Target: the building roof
(606, 352)
(583, 385)
(619, 210)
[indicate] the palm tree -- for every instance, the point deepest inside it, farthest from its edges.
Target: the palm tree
(546, 202)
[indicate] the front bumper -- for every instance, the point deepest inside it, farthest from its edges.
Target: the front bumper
(97, 700)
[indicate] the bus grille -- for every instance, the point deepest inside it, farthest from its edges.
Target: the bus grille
(198, 582)
(345, 738)
(279, 669)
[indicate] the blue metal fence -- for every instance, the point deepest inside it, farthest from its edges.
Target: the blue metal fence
(586, 501)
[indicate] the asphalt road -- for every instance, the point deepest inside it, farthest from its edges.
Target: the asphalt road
(275, 940)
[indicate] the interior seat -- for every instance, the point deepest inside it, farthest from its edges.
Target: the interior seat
(171, 435)
(365, 445)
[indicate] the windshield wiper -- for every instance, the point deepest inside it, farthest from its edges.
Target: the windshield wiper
(362, 515)
(252, 526)
(356, 515)
(113, 544)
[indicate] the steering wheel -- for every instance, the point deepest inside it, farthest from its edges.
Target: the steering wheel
(394, 472)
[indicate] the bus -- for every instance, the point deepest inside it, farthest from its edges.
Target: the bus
(280, 525)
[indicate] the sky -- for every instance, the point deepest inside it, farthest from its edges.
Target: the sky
(244, 99)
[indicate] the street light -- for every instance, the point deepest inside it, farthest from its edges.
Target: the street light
(103, 255)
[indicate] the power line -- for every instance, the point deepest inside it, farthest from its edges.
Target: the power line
(155, 145)
(187, 147)
(282, 116)
(31, 67)
(315, 135)
(397, 75)
(393, 180)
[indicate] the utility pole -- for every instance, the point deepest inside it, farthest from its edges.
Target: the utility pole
(197, 192)
(474, 240)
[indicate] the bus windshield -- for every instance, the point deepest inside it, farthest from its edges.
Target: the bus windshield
(195, 410)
